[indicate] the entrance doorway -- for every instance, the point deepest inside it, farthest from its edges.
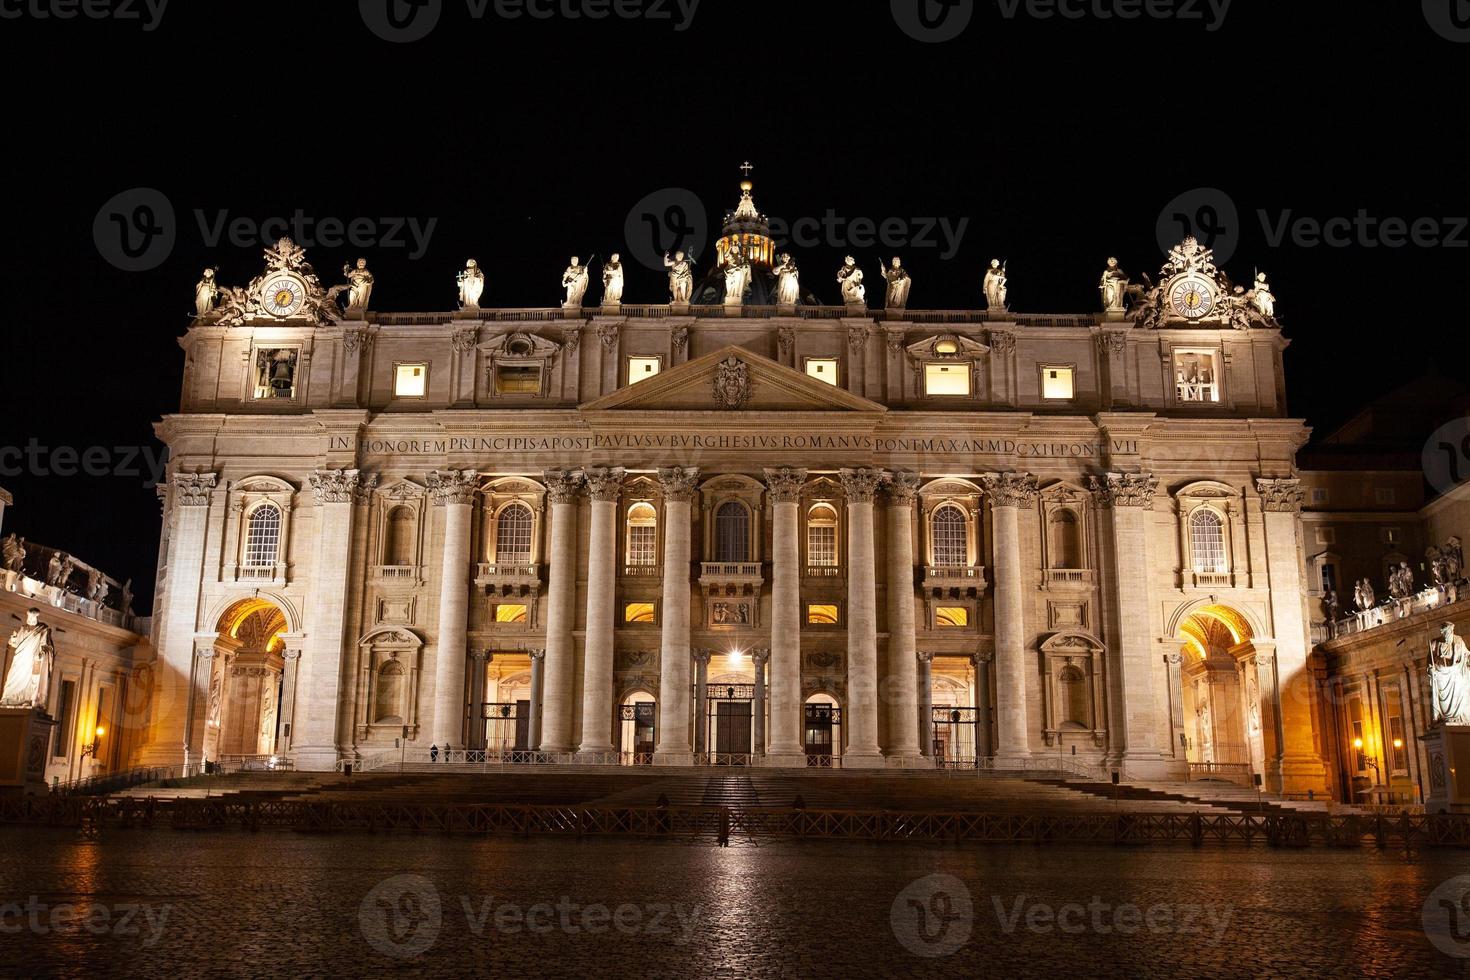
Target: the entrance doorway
(639, 732)
(1219, 716)
(731, 722)
(953, 733)
(507, 727)
(822, 731)
(241, 711)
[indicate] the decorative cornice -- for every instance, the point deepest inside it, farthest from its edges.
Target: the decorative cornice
(1124, 489)
(342, 486)
(193, 489)
(785, 484)
(1280, 496)
(678, 481)
(902, 487)
(860, 484)
(453, 486)
(562, 486)
(1010, 489)
(604, 483)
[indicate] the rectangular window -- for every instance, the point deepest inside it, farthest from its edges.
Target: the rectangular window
(1358, 746)
(275, 372)
(65, 705)
(510, 612)
(946, 379)
(518, 379)
(822, 368)
(410, 380)
(951, 617)
(1196, 376)
(1329, 577)
(1056, 383)
(638, 612)
(821, 546)
(642, 368)
(1398, 744)
(821, 615)
(643, 545)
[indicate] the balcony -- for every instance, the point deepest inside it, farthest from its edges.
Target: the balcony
(823, 571)
(396, 573)
(730, 577)
(643, 571)
(1068, 576)
(1214, 580)
(261, 574)
(954, 579)
(509, 579)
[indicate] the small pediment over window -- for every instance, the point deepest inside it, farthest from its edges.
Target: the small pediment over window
(947, 347)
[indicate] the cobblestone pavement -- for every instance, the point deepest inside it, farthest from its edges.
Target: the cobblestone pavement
(176, 905)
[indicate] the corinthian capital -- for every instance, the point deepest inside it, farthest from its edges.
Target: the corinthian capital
(1280, 496)
(192, 489)
(902, 487)
(785, 484)
(604, 483)
(1010, 489)
(562, 486)
(453, 486)
(1125, 489)
(860, 484)
(341, 486)
(678, 481)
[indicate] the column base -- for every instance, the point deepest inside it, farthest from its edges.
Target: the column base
(862, 760)
(549, 749)
(315, 758)
(783, 760)
(1296, 775)
(673, 757)
(593, 754)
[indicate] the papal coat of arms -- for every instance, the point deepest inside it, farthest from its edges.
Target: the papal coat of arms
(732, 383)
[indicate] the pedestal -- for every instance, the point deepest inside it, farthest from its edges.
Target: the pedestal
(612, 309)
(1448, 749)
(25, 737)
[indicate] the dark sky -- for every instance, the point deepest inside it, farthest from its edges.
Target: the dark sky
(1060, 141)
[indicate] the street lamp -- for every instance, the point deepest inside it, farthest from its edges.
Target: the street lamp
(92, 749)
(1358, 744)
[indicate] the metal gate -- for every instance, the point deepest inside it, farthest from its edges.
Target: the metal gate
(507, 727)
(821, 735)
(639, 729)
(953, 734)
(729, 723)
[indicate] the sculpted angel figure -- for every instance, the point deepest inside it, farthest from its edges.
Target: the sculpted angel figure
(850, 278)
(899, 281)
(471, 284)
(574, 281)
(788, 280)
(612, 280)
(681, 278)
(205, 292)
(995, 285)
(359, 285)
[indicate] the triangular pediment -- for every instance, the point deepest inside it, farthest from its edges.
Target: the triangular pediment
(736, 380)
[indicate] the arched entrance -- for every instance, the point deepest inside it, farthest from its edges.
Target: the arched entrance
(638, 716)
(242, 707)
(1220, 716)
(822, 731)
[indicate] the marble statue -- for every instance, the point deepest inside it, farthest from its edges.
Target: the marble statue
(58, 569)
(471, 284)
(1449, 678)
(96, 586)
(574, 281)
(28, 682)
(737, 275)
(1450, 556)
(125, 600)
(1401, 587)
(788, 280)
(1434, 560)
(1261, 297)
(206, 290)
(13, 551)
(359, 285)
(681, 278)
(995, 285)
(1114, 287)
(850, 278)
(612, 281)
(1329, 611)
(899, 281)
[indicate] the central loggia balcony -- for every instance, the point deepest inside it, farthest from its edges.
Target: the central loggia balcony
(508, 579)
(954, 579)
(731, 577)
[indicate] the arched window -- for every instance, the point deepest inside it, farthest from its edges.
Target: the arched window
(1075, 709)
(398, 544)
(951, 537)
(263, 537)
(1207, 541)
(642, 535)
(732, 532)
(1065, 544)
(388, 702)
(821, 537)
(513, 535)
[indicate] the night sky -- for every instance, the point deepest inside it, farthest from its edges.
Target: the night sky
(1057, 141)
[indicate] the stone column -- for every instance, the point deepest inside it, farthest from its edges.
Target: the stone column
(673, 660)
(1173, 667)
(1134, 721)
(453, 492)
(861, 714)
(759, 658)
(561, 618)
(538, 685)
(475, 736)
(317, 742)
(173, 672)
(984, 666)
(926, 703)
(701, 700)
(603, 487)
(898, 690)
(1299, 767)
(1008, 493)
(291, 667)
(786, 701)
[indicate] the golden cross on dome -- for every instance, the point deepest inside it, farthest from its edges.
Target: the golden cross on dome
(746, 168)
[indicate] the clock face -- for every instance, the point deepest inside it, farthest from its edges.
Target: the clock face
(1192, 297)
(283, 296)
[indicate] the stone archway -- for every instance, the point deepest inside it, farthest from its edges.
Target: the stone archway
(1219, 707)
(244, 693)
